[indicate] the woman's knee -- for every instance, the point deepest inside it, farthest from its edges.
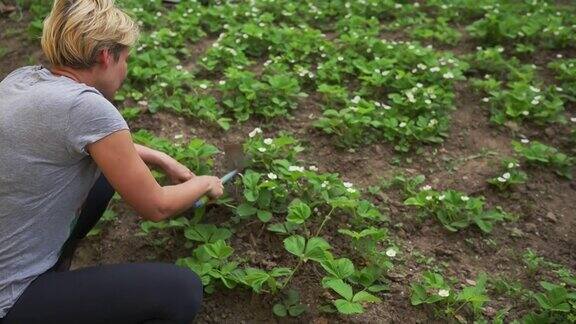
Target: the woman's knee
(184, 290)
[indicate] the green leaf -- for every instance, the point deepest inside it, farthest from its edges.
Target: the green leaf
(298, 212)
(218, 250)
(296, 310)
(245, 210)
(413, 202)
(342, 288)
(347, 307)
(292, 297)
(280, 272)
(207, 233)
(340, 268)
(316, 249)
(365, 297)
(279, 310)
(264, 216)
(296, 245)
(255, 278)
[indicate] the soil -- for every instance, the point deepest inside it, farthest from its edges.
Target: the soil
(546, 217)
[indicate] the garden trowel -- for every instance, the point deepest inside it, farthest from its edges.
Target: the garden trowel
(235, 161)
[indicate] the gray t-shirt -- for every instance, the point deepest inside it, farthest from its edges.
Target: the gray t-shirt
(46, 121)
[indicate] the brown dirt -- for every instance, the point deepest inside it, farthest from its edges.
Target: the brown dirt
(546, 224)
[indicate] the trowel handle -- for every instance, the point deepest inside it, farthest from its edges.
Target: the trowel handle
(228, 176)
(202, 201)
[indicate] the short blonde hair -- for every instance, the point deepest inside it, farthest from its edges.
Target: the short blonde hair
(77, 30)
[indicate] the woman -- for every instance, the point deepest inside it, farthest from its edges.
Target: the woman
(64, 150)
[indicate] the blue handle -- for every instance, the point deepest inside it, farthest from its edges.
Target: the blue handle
(224, 179)
(229, 176)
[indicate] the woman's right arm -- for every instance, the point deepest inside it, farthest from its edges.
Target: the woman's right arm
(120, 163)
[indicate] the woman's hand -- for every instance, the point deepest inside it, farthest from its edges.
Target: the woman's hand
(215, 187)
(176, 171)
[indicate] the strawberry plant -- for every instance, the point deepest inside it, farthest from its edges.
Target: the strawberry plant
(433, 289)
(508, 23)
(537, 153)
(510, 175)
(565, 70)
(436, 30)
(523, 101)
(557, 304)
(455, 210)
(290, 305)
(349, 302)
(196, 155)
(244, 95)
(415, 106)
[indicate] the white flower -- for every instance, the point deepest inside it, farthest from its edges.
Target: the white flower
(272, 176)
(295, 168)
(559, 89)
(427, 187)
(525, 140)
(525, 113)
(178, 136)
(163, 84)
(313, 168)
(262, 149)
(256, 130)
(204, 86)
(448, 75)
(268, 141)
(222, 82)
(324, 184)
(443, 292)
(510, 165)
(535, 102)
(428, 197)
(178, 67)
(351, 190)
(428, 101)
(391, 252)
(501, 179)
(558, 55)
(534, 89)
(410, 97)
(355, 100)
(340, 58)
(441, 197)
(506, 175)
(402, 124)
(465, 198)
(573, 119)
(485, 99)
(348, 184)
(435, 69)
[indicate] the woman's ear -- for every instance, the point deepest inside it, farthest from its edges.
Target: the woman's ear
(105, 58)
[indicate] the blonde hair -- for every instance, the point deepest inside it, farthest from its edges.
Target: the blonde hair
(77, 30)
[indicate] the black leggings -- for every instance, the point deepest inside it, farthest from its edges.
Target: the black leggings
(120, 293)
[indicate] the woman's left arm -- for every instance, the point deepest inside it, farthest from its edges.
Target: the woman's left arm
(176, 171)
